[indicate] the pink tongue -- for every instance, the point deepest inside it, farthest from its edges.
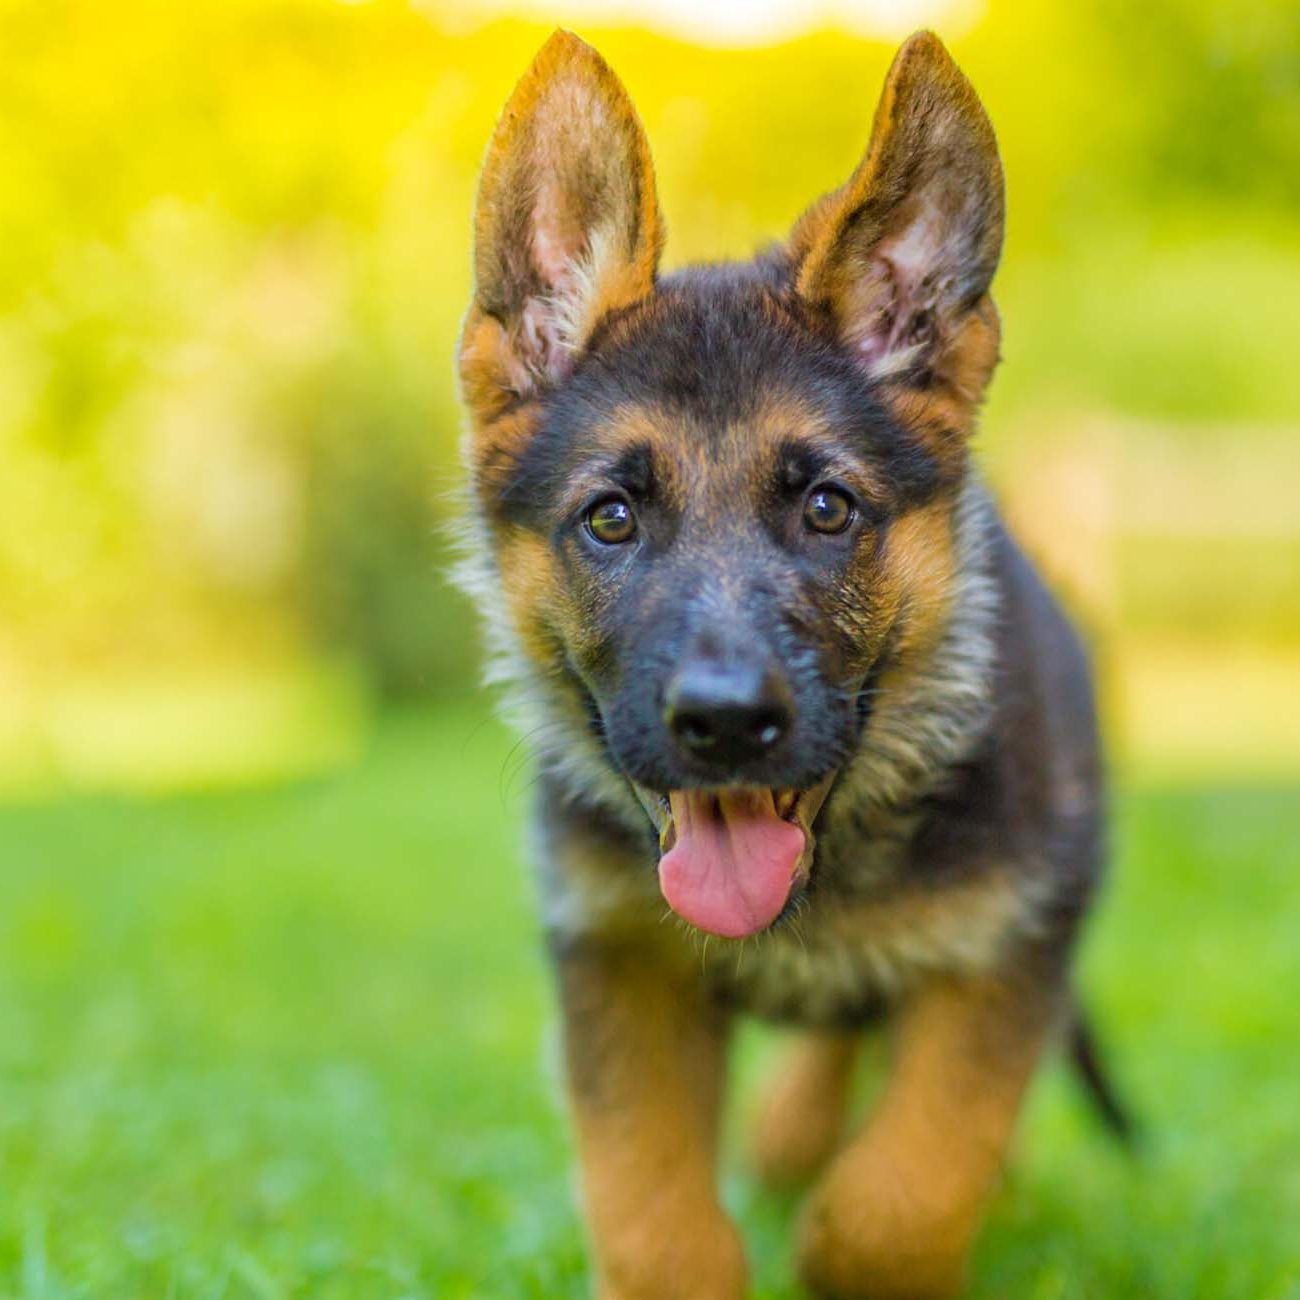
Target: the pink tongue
(734, 862)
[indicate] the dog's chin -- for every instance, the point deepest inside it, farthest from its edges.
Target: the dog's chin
(735, 859)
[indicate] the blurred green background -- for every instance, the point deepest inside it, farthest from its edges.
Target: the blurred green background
(270, 1002)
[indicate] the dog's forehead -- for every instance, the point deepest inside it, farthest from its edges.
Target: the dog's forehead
(715, 387)
(679, 448)
(715, 375)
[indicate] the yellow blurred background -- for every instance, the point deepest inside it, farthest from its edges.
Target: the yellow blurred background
(235, 256)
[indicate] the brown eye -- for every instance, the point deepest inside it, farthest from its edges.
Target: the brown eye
(611, 521)
(828, 510)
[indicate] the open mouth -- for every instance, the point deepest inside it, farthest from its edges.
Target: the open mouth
(732, 857)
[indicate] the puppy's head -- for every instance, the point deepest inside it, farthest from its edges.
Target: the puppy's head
(720, 501)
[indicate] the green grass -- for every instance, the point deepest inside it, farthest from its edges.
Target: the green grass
(293, 1041)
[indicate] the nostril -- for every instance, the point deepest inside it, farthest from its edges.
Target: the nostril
(694, 731)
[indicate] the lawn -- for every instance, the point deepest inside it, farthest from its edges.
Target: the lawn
(294, 1040)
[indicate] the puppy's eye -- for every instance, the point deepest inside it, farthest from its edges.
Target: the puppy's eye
(828, 510)
(611, 521)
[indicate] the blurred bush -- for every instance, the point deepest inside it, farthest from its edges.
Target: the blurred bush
(236, 256)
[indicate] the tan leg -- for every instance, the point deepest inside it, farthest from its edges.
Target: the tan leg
(644, 1052)
(802, 1116)
(896, 1214)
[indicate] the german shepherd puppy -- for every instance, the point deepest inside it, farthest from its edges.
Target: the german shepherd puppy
(786, 677)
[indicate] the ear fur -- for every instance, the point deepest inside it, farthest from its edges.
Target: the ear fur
(567, 226)
(902, 255)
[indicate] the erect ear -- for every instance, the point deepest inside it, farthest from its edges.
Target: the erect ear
(567, 226)
(902, 255)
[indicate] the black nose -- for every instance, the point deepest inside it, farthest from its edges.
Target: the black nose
(727, 715)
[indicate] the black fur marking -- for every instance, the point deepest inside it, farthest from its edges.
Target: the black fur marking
(864, 701)
(633, 470)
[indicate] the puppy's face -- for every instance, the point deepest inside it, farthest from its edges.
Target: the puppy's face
(721, 501)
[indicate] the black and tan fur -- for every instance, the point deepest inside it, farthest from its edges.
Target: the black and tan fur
(937, 691)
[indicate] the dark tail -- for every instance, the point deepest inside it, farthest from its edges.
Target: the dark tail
(1085, 1056)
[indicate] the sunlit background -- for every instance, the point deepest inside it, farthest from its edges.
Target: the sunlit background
(233, 261)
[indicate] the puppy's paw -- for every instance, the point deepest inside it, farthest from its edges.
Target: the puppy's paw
(866, 1238)
(703, 1260)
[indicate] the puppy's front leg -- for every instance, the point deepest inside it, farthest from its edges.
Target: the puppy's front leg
(644, 1054)
(803, 1114)
(897, 1211)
